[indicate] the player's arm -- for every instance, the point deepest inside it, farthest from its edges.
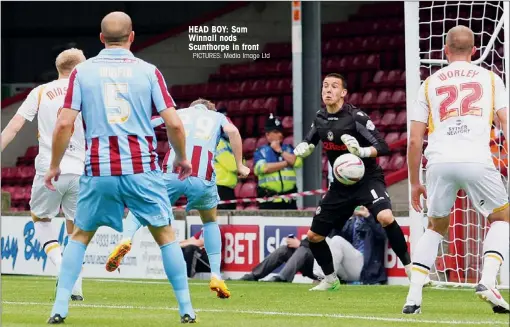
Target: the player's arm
(305, 148)
(156, 122)
(62, 135)
(291, 158)
(263, 167)
(175, 132)
(165, 105)
(419, 116)
(10, 131)
(236, 143)
(26, 111)
(366, 128)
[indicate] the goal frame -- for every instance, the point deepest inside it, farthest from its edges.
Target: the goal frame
(419, 221)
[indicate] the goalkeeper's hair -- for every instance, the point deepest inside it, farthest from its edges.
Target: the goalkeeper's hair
(339, 76)
(205, 102)
(68, 59)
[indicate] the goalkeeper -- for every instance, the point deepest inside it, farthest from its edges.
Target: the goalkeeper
(343, 129)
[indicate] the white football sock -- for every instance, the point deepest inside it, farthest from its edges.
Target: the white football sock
(423, 258)
(49, 241)
(77, 290)
(494, 246)
(331, 278)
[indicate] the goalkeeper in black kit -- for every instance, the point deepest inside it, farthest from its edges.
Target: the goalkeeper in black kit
(343, 128)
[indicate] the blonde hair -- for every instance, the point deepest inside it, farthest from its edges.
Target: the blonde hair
(68, 59)
(205, 102)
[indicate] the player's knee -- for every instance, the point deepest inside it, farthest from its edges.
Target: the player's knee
(500, 215)
(36, 219)
(385, 217)
(314, 238)
(439, 225)
(82, 236)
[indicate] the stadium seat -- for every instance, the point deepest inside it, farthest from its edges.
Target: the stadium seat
(233, 107)
(369, 99)
(398, 99)
(397, 162)
(258, 88)
(403, 136)
(249, 129)
(289, 140)
(249, 147)
(284, 67)
(383, 98)
(239, 123)
(401, 120)
(9, 175)
(392, 137)
(258, 106)
(388, 120)
(287, 124)
(248, 190)
(271, 86)
(251, 207)
(261, 142)
(261, 121)
(375, 117)
(380, 78)
(392, 77)
(237, 190)
(354, 98)
(384, 162)
(287, 104)
(245, 106)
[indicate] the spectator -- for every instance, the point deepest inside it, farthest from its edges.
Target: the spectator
(195, 255)
(274, 165)
(358, 252)
(295, 254)
(226, 170)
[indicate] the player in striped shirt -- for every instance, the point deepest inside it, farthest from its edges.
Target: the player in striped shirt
(115, 93)
(204, 127)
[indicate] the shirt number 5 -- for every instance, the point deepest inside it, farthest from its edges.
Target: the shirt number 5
(118, 109)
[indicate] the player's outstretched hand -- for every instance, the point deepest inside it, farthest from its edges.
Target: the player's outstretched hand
(416, 191)
(243, 171)
(183, 167)
(52, 173)
(304, 149)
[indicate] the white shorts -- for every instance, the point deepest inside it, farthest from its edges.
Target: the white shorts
(482, 184)
(347, 261)
(45, 203)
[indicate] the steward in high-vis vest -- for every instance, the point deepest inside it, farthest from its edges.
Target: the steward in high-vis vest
(226, 170)
(274, 165)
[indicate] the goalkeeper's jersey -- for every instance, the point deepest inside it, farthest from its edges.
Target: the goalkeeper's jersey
(458, 103)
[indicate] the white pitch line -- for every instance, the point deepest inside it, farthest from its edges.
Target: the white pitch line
(277, 313)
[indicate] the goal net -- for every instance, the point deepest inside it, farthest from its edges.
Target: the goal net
(459, 259)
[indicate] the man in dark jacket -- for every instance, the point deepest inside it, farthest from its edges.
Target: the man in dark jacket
(358, 251)
(296, 256)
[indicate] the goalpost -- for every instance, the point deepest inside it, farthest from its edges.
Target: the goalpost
(459, 259)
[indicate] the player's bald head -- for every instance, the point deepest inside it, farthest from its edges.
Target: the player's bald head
(116, 27)
(460, 40)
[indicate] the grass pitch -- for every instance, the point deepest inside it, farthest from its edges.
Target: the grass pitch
(27, 301)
